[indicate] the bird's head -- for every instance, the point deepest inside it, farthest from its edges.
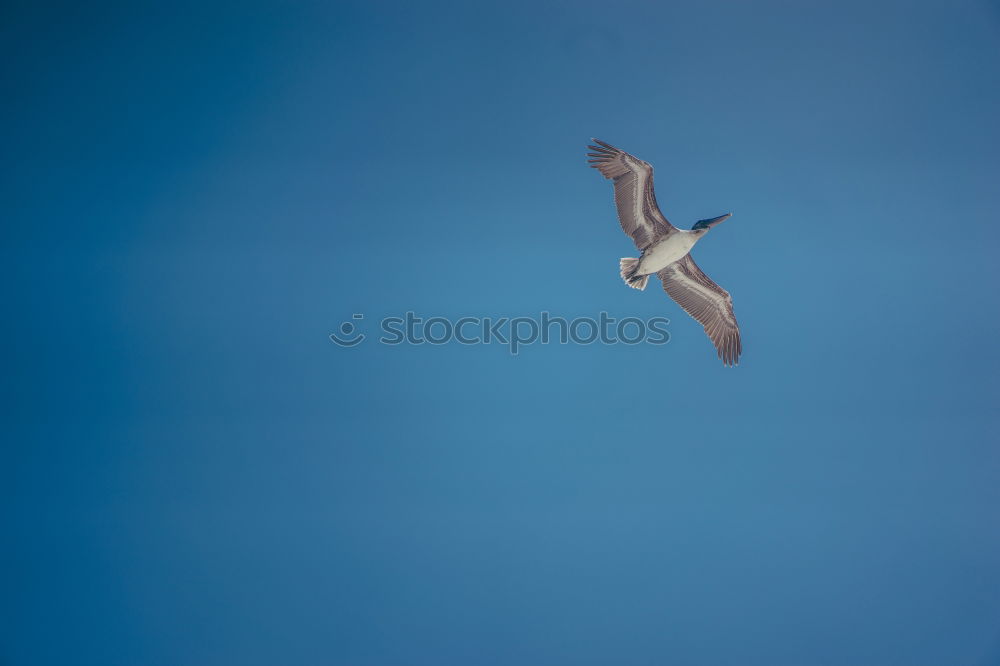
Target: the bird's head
(704, 225)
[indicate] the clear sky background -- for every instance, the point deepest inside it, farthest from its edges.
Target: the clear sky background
(195, 195)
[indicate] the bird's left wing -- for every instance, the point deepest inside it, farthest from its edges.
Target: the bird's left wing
(708, 303)
(638, 212)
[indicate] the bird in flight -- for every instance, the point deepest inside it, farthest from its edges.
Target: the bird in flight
(665, 249)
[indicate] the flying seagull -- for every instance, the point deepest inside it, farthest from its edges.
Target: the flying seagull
(665, 249)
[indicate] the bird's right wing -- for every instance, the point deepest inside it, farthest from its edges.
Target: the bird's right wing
(638, 212)
(708, 303)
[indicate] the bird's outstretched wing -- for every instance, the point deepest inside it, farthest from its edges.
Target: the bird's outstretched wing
(637, 210)
(707, 302)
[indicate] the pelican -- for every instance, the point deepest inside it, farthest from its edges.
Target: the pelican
(666, 249)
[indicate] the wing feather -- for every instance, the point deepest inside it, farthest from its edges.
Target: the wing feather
(638, 212)
(708, 303)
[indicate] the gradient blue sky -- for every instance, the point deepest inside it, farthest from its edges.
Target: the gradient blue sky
(195, 196)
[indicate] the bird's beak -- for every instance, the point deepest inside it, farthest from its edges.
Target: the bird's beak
(715, 220)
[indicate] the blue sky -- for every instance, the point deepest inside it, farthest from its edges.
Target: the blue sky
(196, 196)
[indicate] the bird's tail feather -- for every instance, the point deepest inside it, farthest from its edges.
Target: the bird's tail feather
(628, 267)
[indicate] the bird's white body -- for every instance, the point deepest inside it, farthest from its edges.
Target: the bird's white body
(667, 250)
